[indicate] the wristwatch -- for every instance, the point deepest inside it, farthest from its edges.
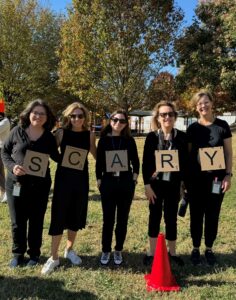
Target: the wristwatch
(229, 174)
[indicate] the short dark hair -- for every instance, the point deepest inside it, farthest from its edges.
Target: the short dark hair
(125, 132)
(24, 116)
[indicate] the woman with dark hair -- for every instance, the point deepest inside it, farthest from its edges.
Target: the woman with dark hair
(208, 186)
(162, 188)
(70, 198)
(27, 194)
(117, 170)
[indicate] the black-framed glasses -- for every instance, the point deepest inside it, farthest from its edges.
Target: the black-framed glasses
(121, 121)
(38, 114)
(77, 116)
(170, 114)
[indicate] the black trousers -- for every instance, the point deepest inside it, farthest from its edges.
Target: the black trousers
(204, 211)
(27, 215)
(116, 194)
(168, 196)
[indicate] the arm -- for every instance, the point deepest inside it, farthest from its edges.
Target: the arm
(134, 159)
(93, 148)
(4, 125)
(99, 161)
(228, 163)
(58, 136)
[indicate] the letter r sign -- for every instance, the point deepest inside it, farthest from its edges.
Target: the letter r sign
(167, 160)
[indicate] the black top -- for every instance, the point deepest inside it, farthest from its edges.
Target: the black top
(109, 143)
(14, 149)
(179, 142)
(201, 136)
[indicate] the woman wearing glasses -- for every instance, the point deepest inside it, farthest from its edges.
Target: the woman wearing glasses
(162, 189)
(207, 187)
(70, 198)
(117, 169)
(27, 193)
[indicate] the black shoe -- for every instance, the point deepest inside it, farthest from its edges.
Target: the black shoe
(210, 257)
(148, 260)
(195, 257)
(176, 259)
(16, 261)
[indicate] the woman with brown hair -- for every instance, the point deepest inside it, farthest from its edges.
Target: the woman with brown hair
(162, 189)
(117, 169)
(70, 198)
(207, 188)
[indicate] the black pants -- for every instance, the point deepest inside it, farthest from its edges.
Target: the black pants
(168, 196)
(117, 195)
(28, 210)
(204, 210)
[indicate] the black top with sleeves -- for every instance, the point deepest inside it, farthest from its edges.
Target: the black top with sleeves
(109, 143)
(201, 136)
(179, 142)
(14, 149)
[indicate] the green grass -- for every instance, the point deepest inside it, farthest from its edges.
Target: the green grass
(91, 281)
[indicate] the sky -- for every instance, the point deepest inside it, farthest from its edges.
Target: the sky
(188, 7)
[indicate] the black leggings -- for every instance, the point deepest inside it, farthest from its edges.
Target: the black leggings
(168, 195)
(117, 195)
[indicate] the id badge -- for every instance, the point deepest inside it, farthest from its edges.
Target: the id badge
(116, 174)
(216, 187)
(16, 190)
(166, 176)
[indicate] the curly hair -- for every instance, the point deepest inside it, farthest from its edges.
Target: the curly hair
(24, 119)
(66, 122)
(108, 129)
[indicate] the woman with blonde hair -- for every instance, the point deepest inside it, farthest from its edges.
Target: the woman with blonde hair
(162, 189)
(70, 198)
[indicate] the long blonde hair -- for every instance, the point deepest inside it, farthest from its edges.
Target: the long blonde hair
(66, 123)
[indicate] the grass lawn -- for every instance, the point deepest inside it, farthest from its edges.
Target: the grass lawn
(91, 281)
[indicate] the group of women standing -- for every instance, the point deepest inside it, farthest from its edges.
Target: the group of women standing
(117, 169)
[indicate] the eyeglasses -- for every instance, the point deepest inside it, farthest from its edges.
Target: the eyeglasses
(121, 121)
(170, 114)
(76, 116)
(203, 103)
(39, 114)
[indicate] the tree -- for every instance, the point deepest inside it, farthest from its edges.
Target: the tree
(111, 49)
(29, 37)
(207, 50)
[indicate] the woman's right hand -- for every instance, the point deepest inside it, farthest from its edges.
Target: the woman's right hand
(19, 170)
(151, 196)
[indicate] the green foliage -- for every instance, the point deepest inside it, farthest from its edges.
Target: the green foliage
(111, 49)
(207, 50)
(29, 37)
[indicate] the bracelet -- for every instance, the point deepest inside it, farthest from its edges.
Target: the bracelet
(135, 181)
(229, 174)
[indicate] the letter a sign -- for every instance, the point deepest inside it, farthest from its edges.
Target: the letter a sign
(212, 158)
(167, 160)
(36, 163)
(116, 160)
(74, 158)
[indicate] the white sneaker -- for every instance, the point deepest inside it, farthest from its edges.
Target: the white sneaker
(118, 259)
(4, 198)
(73, 257)
(50, 265)
(105, 258)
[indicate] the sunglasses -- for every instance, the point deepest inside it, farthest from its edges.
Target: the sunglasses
(121, 121)
(170, 114)
(76, 116)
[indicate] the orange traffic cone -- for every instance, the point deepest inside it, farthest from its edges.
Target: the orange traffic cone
(161, 278)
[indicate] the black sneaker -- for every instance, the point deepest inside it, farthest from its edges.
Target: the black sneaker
(195, 257)
(210, 257)
(176, 259)
(147, 260)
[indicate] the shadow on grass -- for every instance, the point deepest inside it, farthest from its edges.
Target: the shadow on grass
(40, 288)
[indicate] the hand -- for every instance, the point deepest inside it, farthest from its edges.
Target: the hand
(151, 196)
(226, 184)
(99, 183)
(19, 170)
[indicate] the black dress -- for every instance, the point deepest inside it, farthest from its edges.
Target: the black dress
(70, 198)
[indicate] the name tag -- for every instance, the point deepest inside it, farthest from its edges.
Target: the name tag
(166, 176)
(216, 187)
(16, 190)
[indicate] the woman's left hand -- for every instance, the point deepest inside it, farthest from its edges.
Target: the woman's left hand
(226, 183)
